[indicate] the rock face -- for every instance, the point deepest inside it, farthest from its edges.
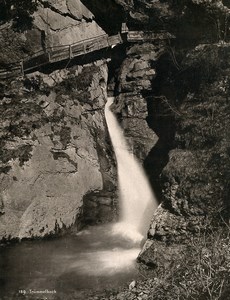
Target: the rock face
(172, 99)
(55, 24)
(134, 82)
(189, 20)
(195, 181)
(64, 23)
(188, 109)
(54, 150)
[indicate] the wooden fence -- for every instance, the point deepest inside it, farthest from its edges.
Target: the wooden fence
(59, 53)
(137, 36)
(63, 52)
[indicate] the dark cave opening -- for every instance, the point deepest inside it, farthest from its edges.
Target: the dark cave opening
(162, 118)
(108, 14)
(114, 65)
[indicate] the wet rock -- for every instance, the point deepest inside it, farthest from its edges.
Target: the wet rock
(55, 23)
(99, 207)
(135, 79)
(53, 155)
(187, 85)
(132, 285)
(68, 22)
(194, 191)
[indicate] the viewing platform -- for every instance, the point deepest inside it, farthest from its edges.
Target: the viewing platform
(60, 53)
(142, 36)
(54, 54)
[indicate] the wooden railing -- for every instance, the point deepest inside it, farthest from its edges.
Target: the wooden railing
(137, 36)
(11, 70)
(59, 53)
(63, 52)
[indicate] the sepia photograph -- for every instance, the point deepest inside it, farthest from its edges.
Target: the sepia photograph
(114, 149)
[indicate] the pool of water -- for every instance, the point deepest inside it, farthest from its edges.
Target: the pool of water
(93, 259)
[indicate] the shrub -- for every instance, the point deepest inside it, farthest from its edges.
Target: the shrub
(20, 11)
(201, 273)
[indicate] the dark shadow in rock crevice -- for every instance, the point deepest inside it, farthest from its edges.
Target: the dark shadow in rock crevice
(154, 164)
(114, 66)
(108, 14)
(161, 105)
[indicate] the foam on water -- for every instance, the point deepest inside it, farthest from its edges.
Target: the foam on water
(92, 259)
(128, 232)
(107, 262)
(98, 257)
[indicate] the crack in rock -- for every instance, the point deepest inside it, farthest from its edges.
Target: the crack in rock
(69, 14)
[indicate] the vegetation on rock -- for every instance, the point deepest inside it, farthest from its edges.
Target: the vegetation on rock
(19, 11)
(187, 106)
(200, 272)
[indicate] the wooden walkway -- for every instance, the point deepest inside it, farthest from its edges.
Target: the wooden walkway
(142, 36)
(59, 53)
(64, 52)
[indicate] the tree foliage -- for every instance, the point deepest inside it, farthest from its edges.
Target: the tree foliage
(19, 11)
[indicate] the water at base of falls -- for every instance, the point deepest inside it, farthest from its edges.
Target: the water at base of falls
(128, 232)
(100, 257)
(93, 259)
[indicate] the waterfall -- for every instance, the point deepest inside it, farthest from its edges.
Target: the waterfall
(137, 202)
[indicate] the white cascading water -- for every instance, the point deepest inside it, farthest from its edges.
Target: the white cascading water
(137, 202)
(100, 256)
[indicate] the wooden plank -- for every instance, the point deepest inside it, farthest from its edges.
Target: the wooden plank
(124, 28)
(33, 67)
(11, 67)
(10, 70)
(58, 58)
(59, 50)
(114, 40)
(78, 49)
(91, 46)
(104, 43)
(77, 46)
(38, 53)
(17, 68)
(136, 36)
(36, 62)
(4, 74)
(61, 54)
(8, 74)
(56, 54)
(70, 52)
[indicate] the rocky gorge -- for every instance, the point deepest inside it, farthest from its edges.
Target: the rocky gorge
(41, 154)
(58, 170)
